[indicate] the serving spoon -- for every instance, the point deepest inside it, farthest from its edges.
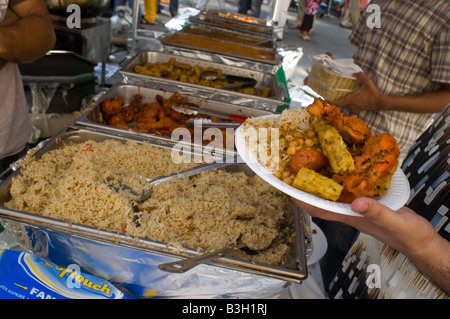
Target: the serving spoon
(181, 266)
(242, 82)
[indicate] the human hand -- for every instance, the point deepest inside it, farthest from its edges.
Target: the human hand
(403, 230)
(367, 97)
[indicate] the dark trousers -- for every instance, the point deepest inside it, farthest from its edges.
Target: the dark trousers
(307, 23)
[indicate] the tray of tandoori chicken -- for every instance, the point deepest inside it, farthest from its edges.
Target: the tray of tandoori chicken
(323, 157)
(180, 119)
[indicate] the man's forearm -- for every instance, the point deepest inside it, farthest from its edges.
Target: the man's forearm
(27, 39)
(434, 102)
(434, 262)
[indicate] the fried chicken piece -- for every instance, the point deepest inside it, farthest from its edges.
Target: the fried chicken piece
(373, 168)
(353, 129)
(117, 120)
(112, 107)
(149, 112)
(165, 123)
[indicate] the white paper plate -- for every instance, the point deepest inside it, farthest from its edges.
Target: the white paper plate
(319, 244)
(395, 197)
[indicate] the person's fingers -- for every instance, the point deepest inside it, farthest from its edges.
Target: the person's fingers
(360, 76)
(373, 210)
(345, 101)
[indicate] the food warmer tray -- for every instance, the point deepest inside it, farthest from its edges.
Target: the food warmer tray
(239, 17)
(278, 90)
(206, 18)
(28, 223)
(235, 36)
(92, 115)
(237, 47)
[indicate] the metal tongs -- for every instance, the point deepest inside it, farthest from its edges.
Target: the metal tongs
(235, 82)
(141, 197)
(207, 123)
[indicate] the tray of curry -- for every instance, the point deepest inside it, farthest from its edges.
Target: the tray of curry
(221, 41)
(149, 68)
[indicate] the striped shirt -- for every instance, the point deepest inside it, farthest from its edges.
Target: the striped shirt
(407, 55)
(427, 167)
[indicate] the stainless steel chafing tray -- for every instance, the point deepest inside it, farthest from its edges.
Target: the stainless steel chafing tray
(92, 116)
(235, 36)
(294, 271)
(277, 90)
(226, 42)
(234, 24)
(239, 17)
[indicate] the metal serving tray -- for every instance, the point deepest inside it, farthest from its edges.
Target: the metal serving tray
(277, 95)
(237, 40)
(296, 259)
(206, 18)
(239, 17)
(235, 36)
(92, 116)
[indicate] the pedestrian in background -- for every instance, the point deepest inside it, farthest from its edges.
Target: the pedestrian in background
(308, 19)
(202, 4)
(150, 7)
(253, 5)
(352, 13)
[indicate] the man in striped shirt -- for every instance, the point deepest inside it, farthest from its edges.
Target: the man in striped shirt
(406, 64)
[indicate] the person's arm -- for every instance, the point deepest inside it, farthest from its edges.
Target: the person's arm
(368, 97)
(27, 32)
(403, 230)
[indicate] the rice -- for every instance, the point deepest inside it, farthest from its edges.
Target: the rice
(72, 184)
(206, 212)
(210, 210)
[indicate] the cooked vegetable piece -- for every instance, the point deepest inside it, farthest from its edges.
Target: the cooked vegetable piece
(333, 147)
(315, 183)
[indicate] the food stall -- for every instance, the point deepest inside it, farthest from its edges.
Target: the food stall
(143, 178)
(103, 159)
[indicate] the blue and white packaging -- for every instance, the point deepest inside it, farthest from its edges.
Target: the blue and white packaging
(27, 276)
